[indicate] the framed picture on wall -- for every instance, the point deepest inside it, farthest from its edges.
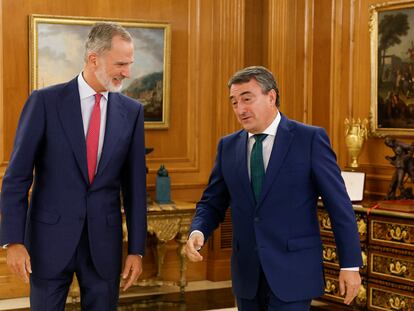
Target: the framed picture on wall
(57, 55)
(392, 68)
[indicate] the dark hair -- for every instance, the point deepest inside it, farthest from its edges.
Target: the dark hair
(262, 75)
(100, 37)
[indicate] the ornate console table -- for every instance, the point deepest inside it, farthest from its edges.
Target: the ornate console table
(166, 222)
(387, 242)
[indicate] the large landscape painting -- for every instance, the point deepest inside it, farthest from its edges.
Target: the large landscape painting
(57, 54)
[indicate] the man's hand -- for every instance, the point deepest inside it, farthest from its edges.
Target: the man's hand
(18, 260)
(349, 283)
(194, 244)
(133, 268)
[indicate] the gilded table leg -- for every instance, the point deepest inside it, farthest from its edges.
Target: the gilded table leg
(182, 240)
(74, 291)
(160, 257)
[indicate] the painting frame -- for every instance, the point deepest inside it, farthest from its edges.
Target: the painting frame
(150, 36)
(392, 105)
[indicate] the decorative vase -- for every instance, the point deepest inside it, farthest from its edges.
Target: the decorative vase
(355, 135)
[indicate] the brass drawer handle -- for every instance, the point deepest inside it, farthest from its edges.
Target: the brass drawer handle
(326, 222)
(397, 233)
(397, 303)
(397, 268)
(364, 258)
(330, 287)
(362, 295)
(329, 254)
(362, 227)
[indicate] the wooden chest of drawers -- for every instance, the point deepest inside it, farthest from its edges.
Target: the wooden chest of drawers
(387, 243)
(391, 261)
(331, 261)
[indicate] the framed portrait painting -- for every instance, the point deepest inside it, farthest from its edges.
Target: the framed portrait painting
(392, 68)
(57, 55)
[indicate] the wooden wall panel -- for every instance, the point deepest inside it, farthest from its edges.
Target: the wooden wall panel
(253, 34)
(341, 55)
(322, 62)
(288, 53)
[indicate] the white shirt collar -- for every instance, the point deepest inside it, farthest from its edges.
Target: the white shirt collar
(272, 128)
(85, 90)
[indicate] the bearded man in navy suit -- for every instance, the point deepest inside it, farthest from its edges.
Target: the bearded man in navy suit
(271, 173)
(85, 143)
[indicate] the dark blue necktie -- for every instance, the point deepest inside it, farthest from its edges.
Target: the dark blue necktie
(257, 170)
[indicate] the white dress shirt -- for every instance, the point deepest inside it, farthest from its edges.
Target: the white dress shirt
(87, 99)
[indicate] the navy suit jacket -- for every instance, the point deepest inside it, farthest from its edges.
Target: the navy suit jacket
(280, 233)
(50, 140)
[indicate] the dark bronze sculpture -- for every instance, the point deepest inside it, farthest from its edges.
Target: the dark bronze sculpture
(403, 162)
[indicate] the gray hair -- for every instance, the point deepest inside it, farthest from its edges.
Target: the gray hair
(262, 75)
(100, 37)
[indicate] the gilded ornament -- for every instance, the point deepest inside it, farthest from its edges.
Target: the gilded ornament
(330, 287)
(326, 222)
(397, 303)
(356, 132)
(329, 254)
(397, 268)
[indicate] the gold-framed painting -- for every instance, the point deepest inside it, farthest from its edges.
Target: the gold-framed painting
(392, 68)
(57, 56)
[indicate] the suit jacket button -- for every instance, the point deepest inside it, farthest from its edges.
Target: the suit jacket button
(256, 219)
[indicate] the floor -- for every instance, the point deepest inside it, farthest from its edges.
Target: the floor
(199, 296)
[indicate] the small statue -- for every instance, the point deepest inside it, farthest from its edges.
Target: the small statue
(163, 186)
(404, 165)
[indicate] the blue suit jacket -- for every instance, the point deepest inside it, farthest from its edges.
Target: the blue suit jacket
(281, 232)
(50, 139)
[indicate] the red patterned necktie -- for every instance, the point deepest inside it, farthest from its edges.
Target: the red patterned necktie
(92, 138)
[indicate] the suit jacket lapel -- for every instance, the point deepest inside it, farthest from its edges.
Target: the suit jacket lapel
(241, 160)
(115, 122)
(70, 115)
(280, 148)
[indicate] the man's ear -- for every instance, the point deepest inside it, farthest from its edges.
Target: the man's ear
(93, 59)
(272, 96)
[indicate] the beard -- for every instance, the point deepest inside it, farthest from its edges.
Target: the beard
(106, 81)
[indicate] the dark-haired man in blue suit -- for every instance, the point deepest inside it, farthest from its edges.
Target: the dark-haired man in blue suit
(85, 143)
(271, 174)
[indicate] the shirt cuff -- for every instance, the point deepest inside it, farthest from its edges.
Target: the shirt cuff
(196, 231)
(5, 246)
(351, 269)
